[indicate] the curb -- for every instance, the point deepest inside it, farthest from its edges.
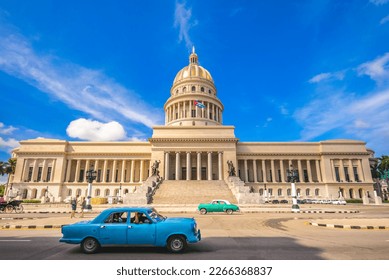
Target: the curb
(348, 226)
(30, 227)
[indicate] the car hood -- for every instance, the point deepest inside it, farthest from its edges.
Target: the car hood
(179, 220)
(80, 223)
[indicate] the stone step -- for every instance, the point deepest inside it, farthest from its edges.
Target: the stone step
(192, 191)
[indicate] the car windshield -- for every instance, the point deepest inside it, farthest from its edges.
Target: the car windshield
(156, 216)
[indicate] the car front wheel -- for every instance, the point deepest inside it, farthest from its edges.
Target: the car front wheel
(203, 211)
(176, 244)
(229, 211)
(90, 245)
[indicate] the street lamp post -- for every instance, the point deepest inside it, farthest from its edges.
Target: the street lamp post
(293, 177)
(90, 177)
(120, 193)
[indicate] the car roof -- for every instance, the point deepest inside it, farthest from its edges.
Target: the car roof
(129, 208)
(225, 200)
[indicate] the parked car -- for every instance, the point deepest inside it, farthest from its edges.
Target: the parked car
(339, 202)
(218, 205)
(127, 226)
(284, 201)
(275, 201)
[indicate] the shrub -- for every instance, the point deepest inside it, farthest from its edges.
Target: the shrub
(354, 201)
(31, 201)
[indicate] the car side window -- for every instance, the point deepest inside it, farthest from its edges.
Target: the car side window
(222, 202)
(139, 218)
(215, 202)
(116, 217)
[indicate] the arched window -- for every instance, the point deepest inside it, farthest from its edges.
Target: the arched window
(279, 192)
(317, 192)
(209, 91)
(307, 192)
(202, 89)
(97, 192)
(78, 192)
(106, 193)
(24, 194)
(260, 191)
(351, 193)
(69, 192)
(270, 191)
(289, 192)
(184, 89)
(193, 88)
(34, 193)
(298, 192)
(177, 91)
(360, 192)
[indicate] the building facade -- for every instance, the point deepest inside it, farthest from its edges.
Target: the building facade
(193, 146)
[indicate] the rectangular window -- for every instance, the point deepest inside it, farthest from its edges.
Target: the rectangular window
(48, 176)
(117, 175)
(270, 176)
(337, 174)
(107, 177)
(30, 169)
(279, 175)
(98, 175)
(39, 174)
(81, 177)
(356, 176)
(346, 175)
(305, 175)
(193, 113)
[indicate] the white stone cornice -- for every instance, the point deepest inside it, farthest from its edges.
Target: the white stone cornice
(159, 140)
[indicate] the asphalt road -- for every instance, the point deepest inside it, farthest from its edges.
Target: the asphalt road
(250, 236)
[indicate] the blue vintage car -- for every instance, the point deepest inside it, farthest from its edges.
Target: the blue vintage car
(132, 226)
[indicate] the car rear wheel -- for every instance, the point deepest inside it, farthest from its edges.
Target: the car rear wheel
(176, 244)
(203, 211)
(229, 211)
(90, 245)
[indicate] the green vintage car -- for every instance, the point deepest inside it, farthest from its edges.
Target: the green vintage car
(217, 205)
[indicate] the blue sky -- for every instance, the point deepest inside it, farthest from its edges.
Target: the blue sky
(284, 70)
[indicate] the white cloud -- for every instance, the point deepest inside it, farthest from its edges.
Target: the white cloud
(96, 131)
(183, 20)
(377, 69)
(7, 145)
(6, 130)
(327, 76)
(83, 89)
(379, 2)
(384, 20)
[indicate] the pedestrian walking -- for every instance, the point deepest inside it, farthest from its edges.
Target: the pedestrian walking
(83, 206)
(73, 203)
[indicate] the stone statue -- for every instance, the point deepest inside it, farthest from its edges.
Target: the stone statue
(155, 167)
(231, 168)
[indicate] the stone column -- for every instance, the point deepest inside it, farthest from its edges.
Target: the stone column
(123, 174)
(96, 167)
(178, 166)
(167, 163)
(209, 166)
(246, 173)
(318, 171)
(282, 171)
(341, 171)
(68, 170)
(44, 169)
(264, 171)
(188, 167)
(273, 171)
(190, 109)
(105, 171)
(198, 165)
(141, 174)
(255, 171)
(360, 171)
(309, 171)
(301, 173)
(132, 171)
(113, 178)
(77, 171)
(35, 171)
(220, 165)
(87, 163)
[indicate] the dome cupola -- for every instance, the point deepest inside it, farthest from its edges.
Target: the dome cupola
(193, 99)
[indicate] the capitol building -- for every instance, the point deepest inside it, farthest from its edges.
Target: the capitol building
(190, 159)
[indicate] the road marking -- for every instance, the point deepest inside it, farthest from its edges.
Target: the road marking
(15, 240)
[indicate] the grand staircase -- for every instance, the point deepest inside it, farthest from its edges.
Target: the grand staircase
(192, 192)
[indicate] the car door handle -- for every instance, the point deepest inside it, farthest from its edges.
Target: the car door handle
(129, 226)
(102, 226)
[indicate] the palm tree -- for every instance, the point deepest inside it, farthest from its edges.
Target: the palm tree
(2, 168)
(8, 168)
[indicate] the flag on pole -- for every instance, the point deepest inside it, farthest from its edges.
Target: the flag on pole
(199, 104)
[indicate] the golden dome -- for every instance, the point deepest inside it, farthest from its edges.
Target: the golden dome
(193, 70)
